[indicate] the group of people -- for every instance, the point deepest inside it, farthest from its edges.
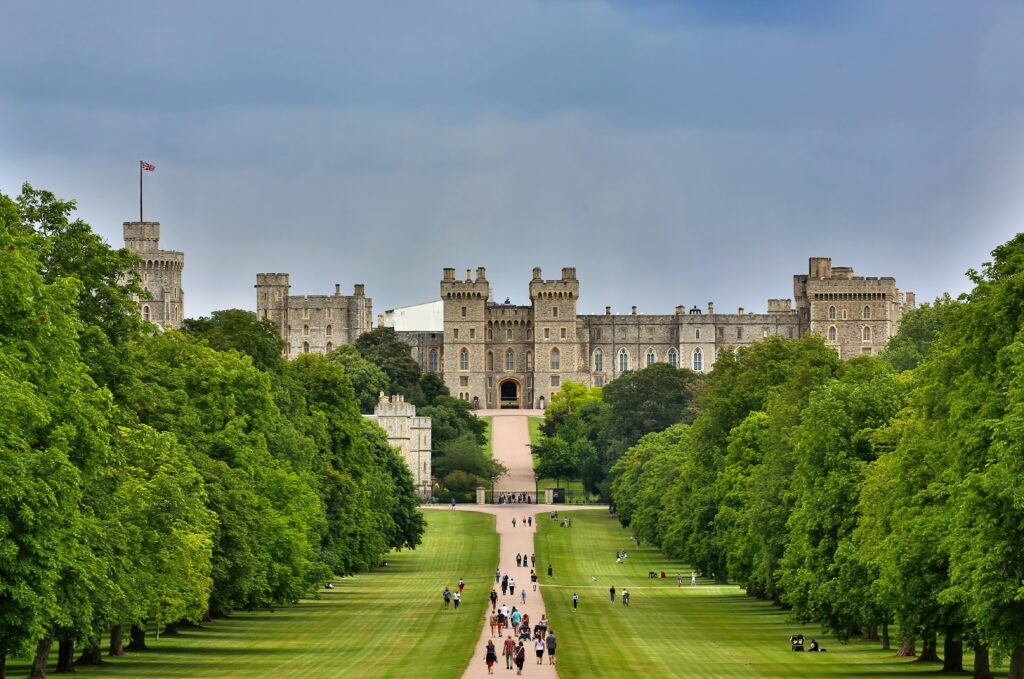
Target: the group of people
(449, 596)
(527, 521)
(611, 596)
(515, 652)
(515, 499)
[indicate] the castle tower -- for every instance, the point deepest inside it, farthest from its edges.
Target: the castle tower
(465, 321)
(556, 346)
(163, 300)
(272, 290)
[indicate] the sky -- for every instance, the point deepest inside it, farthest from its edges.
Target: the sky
(674, 152)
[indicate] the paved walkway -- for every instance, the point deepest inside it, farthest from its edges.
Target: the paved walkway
(511, 437)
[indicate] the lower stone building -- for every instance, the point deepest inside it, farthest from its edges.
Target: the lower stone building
(410, 433)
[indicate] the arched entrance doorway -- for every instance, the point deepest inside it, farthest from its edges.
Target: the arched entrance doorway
(508, 394)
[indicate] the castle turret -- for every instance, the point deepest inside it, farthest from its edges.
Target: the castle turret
(556, 346)
(272, 290)
(162, 301)
(465, 322)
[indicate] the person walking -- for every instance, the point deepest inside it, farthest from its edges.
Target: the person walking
(679, 579)
(552, 644)
(462, 584)
(490, 657)
(458, 600)
(509, 651)
(519, 560)
(517, 618)
(494, 622)
(513, 522)
(538, 645)
(625, 597)
(529, 520)
(693, 578)
(512, 586)
(575, 601)
(611, 593)
(522, 596)
(497, 576)
(502, 622)
(533, 560)
(447, 596)
(533, 579)
(504, 587)
(520, 658)
(551, 571)
(494, 600)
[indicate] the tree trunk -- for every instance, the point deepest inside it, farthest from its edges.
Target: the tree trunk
(930, 652)
(981, 666)
(117, 641)
(91, 655)
(952, 654)
(3, 666)
(870, 634)
(66, 655)
(886, 645)
(1017, 663)
(908, 649)
(41, 659)
(138, 638)
(170, 629)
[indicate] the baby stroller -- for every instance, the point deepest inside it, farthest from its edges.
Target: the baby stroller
(796, 642)
(524, 633)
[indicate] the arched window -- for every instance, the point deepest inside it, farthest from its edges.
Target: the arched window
(510, 360)
(432, 361)
(490, 360)
(832, 333)
(696, 333)
(305, 347)
(330, 331)
(673, 358)
(650, 357)
(330, 346)
(529, 360)
(866, 334)
(508, 334)
(867, 313)
(623, 360)
(305, 331)
(556, 359)
(843, 314)
(698, 361)
(145, 313)
(599, 361)
(463, 359)
(831, 313)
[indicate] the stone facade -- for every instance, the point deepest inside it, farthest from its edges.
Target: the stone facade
(409, 433)
(163, 301)
(312, 324)
(496, 355)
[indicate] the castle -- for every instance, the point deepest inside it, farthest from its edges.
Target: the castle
(159, 271)
(504, 355)
(407, 432)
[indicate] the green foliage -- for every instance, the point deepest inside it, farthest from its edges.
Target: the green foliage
(382, 347)
(919, 329)
(241, 331)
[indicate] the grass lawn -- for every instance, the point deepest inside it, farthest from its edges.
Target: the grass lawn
(389, 623)
(704, 632)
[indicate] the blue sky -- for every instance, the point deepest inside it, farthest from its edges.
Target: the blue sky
(674, 152)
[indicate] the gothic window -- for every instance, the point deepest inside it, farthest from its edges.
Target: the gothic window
(556, 359)
(843, 314)
(490, 334)
(650, 357)
(867, 313)
(508, 334)
(529, 334)
(529, 360)
(696, 334)
(832, 333)
(463, 359)
(698, 361)
(510, 360)
(599, 381)
(432, 361)
(145, 313)
(623, 360)
(330, 330)
(673, 358)
(599, 361)
(305, 347)
(330, 346)
(490, 360)
(831, 313)
(305, 331)
(866, 334)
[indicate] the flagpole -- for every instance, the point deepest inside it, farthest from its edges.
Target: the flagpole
(140, 191)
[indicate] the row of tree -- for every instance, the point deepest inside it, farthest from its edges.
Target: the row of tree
(877, 492)
(158, 478)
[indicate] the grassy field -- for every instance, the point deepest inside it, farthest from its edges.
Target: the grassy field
(703, 632)
(389, 623)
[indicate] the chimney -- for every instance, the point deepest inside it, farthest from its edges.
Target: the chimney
(633, 312)
(607, 311)
(481, 273)
(911, 300)
(337, 289)
(359, 290)
(536, 273)
(679, 309)
(569, 273)
(711, 308)
(469, 275)
(449, 274)
(740, 312)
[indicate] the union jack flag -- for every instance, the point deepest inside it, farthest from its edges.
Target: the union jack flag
(147, 166)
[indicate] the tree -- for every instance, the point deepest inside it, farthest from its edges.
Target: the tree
(382, 347)
(368, 380)
(919, 329)
(558, 460)
(241, 331)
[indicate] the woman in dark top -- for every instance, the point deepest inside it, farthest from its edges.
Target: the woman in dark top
(520, 657)
(491, 657)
